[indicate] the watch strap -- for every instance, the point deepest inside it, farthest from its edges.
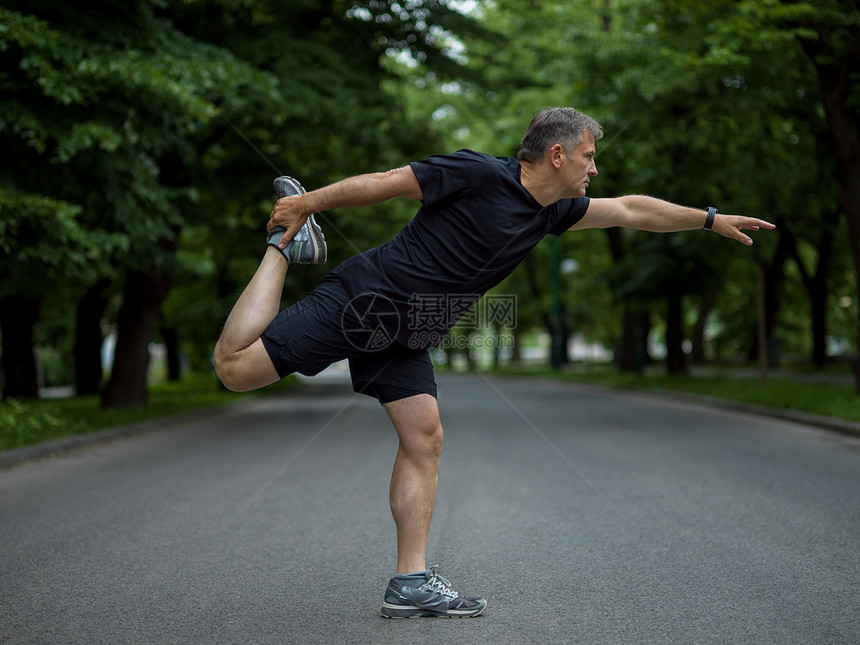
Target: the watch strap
(709, 220)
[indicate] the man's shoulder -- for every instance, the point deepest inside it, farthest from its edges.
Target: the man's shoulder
(486, 157)
(462, 168)
(467, 154)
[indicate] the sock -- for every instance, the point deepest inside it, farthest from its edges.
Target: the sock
(414, 574)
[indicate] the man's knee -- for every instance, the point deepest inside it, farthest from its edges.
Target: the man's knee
(245, 370)
(227, 371)
(422, 440)
(418, 426)
(433, 438)
(423, 445)
(429, 436)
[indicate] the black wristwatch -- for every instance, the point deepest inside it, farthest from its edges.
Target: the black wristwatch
(709, 222)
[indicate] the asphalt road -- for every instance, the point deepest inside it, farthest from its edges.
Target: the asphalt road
(583, 516)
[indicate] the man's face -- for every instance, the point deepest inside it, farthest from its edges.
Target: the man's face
(580, 167)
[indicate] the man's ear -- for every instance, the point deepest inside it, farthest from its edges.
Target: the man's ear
(556, 154)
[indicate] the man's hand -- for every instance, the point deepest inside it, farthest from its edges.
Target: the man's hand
(732, 225)
(291, 212)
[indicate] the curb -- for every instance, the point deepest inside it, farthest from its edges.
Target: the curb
(48, 449)
(842, 426)
(11, 458)
(833, 424)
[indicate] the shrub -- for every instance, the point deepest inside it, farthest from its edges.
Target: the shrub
(22, 424)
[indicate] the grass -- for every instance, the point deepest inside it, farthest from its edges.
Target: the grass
(830, 399)
(24, 423)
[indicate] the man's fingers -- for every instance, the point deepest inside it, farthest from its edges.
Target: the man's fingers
(753, 225)
(285, 214)
(285, 238)
(289, 233)
(737, 224)
(756, 224)
(734, 232)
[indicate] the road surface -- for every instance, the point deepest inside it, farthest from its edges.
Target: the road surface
(581, 515)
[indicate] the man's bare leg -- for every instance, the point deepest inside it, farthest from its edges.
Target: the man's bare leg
(241, 361)
(415, 478)
(413, 496)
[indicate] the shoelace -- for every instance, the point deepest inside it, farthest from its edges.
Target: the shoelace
(439, 584)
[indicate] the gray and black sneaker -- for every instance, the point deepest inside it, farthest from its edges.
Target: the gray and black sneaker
(427, 594)
(308, 245)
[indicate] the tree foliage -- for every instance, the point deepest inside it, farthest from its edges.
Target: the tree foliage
(703, 103)
(145, 136)
(140, 140)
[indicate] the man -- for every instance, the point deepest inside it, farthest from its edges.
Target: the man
(480, 216)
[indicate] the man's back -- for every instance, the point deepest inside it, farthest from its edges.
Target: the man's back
(475, 226)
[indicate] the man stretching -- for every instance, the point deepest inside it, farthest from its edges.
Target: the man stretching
(479, 218)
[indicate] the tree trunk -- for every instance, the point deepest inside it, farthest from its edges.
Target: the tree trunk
(819, 293)
(676, 361)
(628, 355)
(815, 283)
(136, 324)
(631, 352)
(774, 282)
(170, 335)
(818, 301)
(625, 348)
(774, 278)
(836, 63)
(705, 306)
(516, 350)
(88, 339)
(18, 317)
(852, 212)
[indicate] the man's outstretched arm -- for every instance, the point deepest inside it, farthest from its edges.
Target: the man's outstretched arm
(361, 190)
(658, 216)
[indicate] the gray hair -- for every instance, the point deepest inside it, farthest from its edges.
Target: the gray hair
(562, 125)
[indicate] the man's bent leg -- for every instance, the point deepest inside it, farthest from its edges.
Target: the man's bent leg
(416, 476)
(241, 361)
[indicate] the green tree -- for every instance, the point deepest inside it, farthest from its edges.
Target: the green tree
(134, 124)
(828, 34)
(706, 102)
(102, 106)
(340, 113)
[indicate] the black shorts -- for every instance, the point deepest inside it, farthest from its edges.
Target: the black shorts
(317, 331)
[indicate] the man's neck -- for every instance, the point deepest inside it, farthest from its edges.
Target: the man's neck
(536, 180)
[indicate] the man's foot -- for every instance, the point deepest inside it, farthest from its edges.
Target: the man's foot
(427, 594)
(308, 245)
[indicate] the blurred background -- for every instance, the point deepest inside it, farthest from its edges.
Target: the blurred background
(139, 140)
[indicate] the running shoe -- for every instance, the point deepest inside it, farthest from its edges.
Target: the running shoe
(427, 594)
(308, 245)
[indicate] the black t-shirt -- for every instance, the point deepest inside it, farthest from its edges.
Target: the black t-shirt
(475, 226)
